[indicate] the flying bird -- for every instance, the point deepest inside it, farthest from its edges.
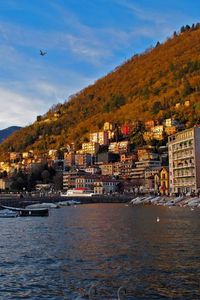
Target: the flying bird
(43, 53)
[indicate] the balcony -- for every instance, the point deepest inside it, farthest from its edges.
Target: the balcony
(188, 155)
(185, 166)
(182, 184)
(184, 175)
(181, 148)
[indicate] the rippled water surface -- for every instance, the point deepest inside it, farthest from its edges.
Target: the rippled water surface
(113, 245)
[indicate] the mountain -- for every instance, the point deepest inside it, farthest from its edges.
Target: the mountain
(4, 133)
(154, 85)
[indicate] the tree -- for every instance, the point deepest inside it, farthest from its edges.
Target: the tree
(58, 181)
(156, 107)
(45, 176)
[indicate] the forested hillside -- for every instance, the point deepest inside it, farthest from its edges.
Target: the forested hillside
(4, 133)
(146, 86)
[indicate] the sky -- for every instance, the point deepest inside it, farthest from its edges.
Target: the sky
(84, 40)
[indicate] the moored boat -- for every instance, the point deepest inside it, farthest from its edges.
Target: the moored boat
(42, 205)
(24, 212)
(78, 193)
(7, 213)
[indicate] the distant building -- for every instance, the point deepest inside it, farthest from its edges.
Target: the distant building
(85, 182)
(146, 153)
(69, 179)
(141, 166)
(106, 186)
(100, 137)
(150, 174)
(164, 181)
(184, 161)
(119, 147)
(15, 156)
(149, 125)
(108, 126)
(5, 184)
(69, 159)
(107, 157)
(170, 122)
(107, 169)
(90, 148)
(126, 169)
(171, 130)
(125, 129)
(158, 132)
(177, 105)
(124, 157)
(172, 126)
(83, 160)
(53, 154)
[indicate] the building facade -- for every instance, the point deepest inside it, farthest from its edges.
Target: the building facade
(100, 137)
(184, 161)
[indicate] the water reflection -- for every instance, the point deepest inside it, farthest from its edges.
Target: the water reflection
(61, 256)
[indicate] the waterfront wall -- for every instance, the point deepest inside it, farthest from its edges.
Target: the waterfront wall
(27, 200)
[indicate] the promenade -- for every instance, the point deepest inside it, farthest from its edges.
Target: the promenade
(16, 200)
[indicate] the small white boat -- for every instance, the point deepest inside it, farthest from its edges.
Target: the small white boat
(78, 193)
(69, 202)
(7, 213)
(42, 205)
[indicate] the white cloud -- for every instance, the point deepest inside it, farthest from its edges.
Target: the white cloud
(17, 109)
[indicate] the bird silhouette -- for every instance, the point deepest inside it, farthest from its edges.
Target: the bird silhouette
(43, 52)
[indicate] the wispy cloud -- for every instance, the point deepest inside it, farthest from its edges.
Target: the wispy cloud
(78, 52)
(142, 13)
(88, 48)
(16, 109)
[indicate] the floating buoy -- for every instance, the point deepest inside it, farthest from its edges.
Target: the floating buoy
(158, 219)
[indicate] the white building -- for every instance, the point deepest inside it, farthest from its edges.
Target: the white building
(184, 161)
(100, 137)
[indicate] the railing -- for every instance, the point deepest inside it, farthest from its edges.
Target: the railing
(184, 166)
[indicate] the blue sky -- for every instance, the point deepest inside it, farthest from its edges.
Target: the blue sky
(85, 39)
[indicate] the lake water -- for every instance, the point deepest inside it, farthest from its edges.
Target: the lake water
(113, 245)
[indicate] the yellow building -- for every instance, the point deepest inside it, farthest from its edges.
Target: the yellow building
(171, 130)
(90, 148)
(4, 184)
(164, 181)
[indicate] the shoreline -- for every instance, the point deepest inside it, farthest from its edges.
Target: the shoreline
(130, 199)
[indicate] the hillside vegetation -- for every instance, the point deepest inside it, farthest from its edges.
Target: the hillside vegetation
(4, 133)
(146, 86)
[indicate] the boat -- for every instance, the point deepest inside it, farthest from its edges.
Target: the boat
(69, 202)
(42, 205)
(78, 193)
(25, 212)
(7, 213)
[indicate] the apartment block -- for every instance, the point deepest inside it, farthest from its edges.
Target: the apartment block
(119, 147)
(141, 166)
(184, 161)
(85, 182)
(100, 137)
(90, 148)
(69, 159)
(106, 186)
(83, 160)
